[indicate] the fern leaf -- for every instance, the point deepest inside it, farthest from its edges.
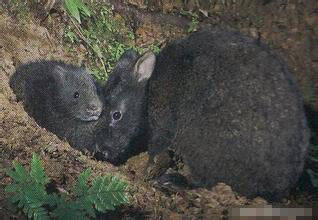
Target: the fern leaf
(19, 174)
(68, 210)
(12, 188)
(35, 195)
(22, 202)
(37, 171)
(29, 189)
(40, 214)
(81, 187)
(13, 174)
(86, 205)
(22, 174)
(15, 198)
(108, 192)
(30, 195)
(28, 211)
(52, 200)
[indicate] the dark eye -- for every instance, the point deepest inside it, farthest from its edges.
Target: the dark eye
(76, 95)
(116, 116)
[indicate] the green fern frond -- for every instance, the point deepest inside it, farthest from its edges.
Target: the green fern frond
(29, 189)
(40, 214)
(74, 7)
(68, 209)
(80, 188)
(108, 192)
(86, 206)
(37, 171)
(19, 174)
(29, 193)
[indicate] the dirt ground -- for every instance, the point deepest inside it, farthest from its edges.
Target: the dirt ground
(291, 29)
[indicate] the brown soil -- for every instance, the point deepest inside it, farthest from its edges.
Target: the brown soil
(290, 28)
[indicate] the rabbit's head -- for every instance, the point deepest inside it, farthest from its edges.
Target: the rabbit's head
(75, 93)
(124, 117)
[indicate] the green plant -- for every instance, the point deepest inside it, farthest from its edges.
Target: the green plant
(194, 20)
(194, 23)
(74, 7)
(29, 193)
(103, 36)
(155, 48)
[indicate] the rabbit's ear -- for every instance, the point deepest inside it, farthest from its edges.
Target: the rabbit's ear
(128, 58)
(130, 55)
(145, 66)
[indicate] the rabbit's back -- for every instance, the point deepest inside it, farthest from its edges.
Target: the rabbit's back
(230, 108)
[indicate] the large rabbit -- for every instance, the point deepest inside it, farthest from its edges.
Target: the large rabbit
(221, 101)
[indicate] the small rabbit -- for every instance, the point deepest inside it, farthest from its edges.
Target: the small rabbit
(61, 97)
(223, 104)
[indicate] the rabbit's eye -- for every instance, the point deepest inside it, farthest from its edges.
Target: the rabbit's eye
(76, 95)
(116, 116)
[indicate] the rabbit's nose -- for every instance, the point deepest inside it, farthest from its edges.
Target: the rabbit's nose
(93, 107)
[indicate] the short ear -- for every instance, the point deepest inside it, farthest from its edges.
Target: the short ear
(129, 57)
(145, 66)
(59, 73)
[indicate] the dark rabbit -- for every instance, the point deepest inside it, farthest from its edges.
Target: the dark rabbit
(124, 119)
(61, 97)
(222, 102)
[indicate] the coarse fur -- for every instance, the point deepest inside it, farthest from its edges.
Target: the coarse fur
(124, 94)
(219, 100)
(61, 97)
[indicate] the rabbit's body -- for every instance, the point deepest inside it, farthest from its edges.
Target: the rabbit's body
(225, 105)
(60, 97)
(231, 111)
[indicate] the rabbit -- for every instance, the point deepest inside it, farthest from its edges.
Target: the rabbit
(61, 97)
(221, 104)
